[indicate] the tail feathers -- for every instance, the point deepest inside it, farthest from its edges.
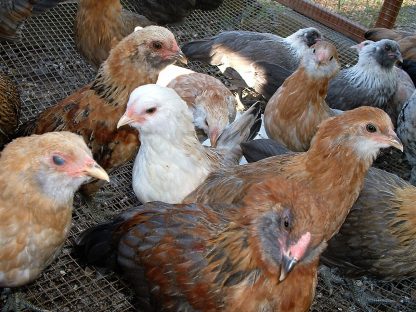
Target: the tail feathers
(200, 50)
(256, 150)
(269, 77)
(377, 34)
(12, 16)
(98, 245)
(242, 129)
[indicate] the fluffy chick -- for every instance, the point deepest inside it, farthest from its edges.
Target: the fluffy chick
(10, 105)
(39, 177)
(259, 255)
(334, 167)
(170, 153)
(212, 104)
(171, 11)
(371, 82)
(261, 59)
(14, 12)
(294, 112)
(94, 110)
(100, 25)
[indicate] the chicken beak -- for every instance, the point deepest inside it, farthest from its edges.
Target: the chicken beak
(213, 137)
(394, 141)
(124, 120)
(288, 263)
(96, 171)
(180, 57)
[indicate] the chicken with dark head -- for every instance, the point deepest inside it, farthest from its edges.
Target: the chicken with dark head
(38, 179)
(258, 255)
(371, 82)
(294, 112)
(94, 110)
(263, 60)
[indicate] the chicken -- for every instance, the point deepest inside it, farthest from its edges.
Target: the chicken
(405, 86)
(259, 58)
(410, 68)
(170, 154)
(372, 81)
(10, 105)
(38, 179)
(212, 104)
(171, 72)
(294, 112)
(406, 40)
(406, 129)
(100, 25)
(94, 110)
(14, 12)
(171, 11)
(259, 255)
(385, 206)
(334, 167)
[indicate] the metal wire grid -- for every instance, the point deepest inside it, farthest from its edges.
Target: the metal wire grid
(47, 68)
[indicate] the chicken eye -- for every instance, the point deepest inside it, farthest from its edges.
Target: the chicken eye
(387, 48)
(286, 223)
(331, 58)
(371, 128)
(313, 51)
(157, 45)
(151, 110)
(58, 160)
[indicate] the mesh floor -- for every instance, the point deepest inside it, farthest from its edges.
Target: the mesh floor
(47, 68)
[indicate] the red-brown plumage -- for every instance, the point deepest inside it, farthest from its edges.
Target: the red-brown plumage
(219, 257)
(94, 110)
(296, 109)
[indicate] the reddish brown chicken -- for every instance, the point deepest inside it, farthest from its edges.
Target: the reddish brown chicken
(100, 25)
(334, 167)
(294, 112)
(9, 109)
(260, 255)
(94, 110)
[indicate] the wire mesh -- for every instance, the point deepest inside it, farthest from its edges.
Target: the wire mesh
(48, 68)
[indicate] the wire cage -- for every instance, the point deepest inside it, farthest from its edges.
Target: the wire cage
(47, 68)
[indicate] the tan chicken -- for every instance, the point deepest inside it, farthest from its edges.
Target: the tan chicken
(294, 112)
(100, 25)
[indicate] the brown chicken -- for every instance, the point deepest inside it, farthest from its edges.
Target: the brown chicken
(212, 104)
(9, 109)
(334, 167)
(294, 112)
(14, 12)
(259, 255)
(100, 25)
(38, 178)
(406, 40)
(94, 110)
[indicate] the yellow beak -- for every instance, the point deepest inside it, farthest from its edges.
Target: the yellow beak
(124, 120)
(96, 171)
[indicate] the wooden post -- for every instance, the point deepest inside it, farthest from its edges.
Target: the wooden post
(388, 14)
(327, 18)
